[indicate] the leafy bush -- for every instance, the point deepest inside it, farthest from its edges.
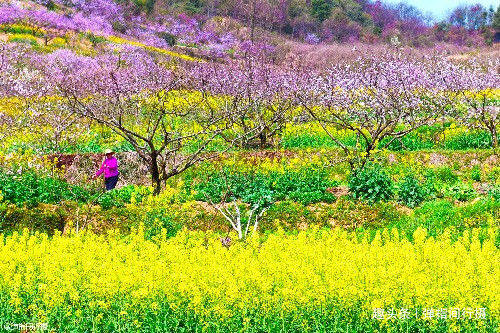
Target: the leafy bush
(94, 39)
(411, 192)
(314, 140)
(442, 174)
(494, 192)
(426, 137)
(304, 186)
(119, 197)
(31, 188)
(475, 173)
(468, 140)
(493, 176)
(440, 214)
(422, 138)
(157, 219)
(446, 175)
(371, 183)
(461, 192)
(119, 26)
(169, 38)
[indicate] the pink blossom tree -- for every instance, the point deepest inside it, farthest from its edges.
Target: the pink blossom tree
(258, 96)
(380, 100)
(137, 97)
(479, 99)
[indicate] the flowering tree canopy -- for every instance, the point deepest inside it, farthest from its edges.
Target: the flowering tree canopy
(258, 95)
(386, 98)
(137, 97)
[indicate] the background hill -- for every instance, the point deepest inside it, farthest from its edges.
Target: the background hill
(217, 29)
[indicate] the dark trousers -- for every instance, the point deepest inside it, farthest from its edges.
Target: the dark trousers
(110, 182)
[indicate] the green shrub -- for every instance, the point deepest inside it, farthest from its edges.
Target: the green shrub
(51, 5)
(410, 142)
(461, 192)
(440, 214)
(493, 176)
(494, 192)
(30, 188)
(445, 174)
(422, 138)
(480, 210)
(305, 186)
(469, 140)
(411, 192)
(119, 197)
(168, 37)
(371, 183)
(437, 180)
(157, 219)
(436, 216)
(475, 173)
(119, 27)
(94, 39)
(314, 140)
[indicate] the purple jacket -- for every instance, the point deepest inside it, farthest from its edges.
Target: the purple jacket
(109, 167)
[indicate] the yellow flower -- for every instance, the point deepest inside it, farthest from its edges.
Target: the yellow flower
(279, 272)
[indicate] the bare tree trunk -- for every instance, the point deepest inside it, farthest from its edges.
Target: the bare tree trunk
(252, 24)
(263, 140)
(155, 174)
(494, 137)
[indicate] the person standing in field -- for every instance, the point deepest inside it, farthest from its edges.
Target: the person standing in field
(110, 169)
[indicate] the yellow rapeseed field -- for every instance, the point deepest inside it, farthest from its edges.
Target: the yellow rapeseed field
(276, 273)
